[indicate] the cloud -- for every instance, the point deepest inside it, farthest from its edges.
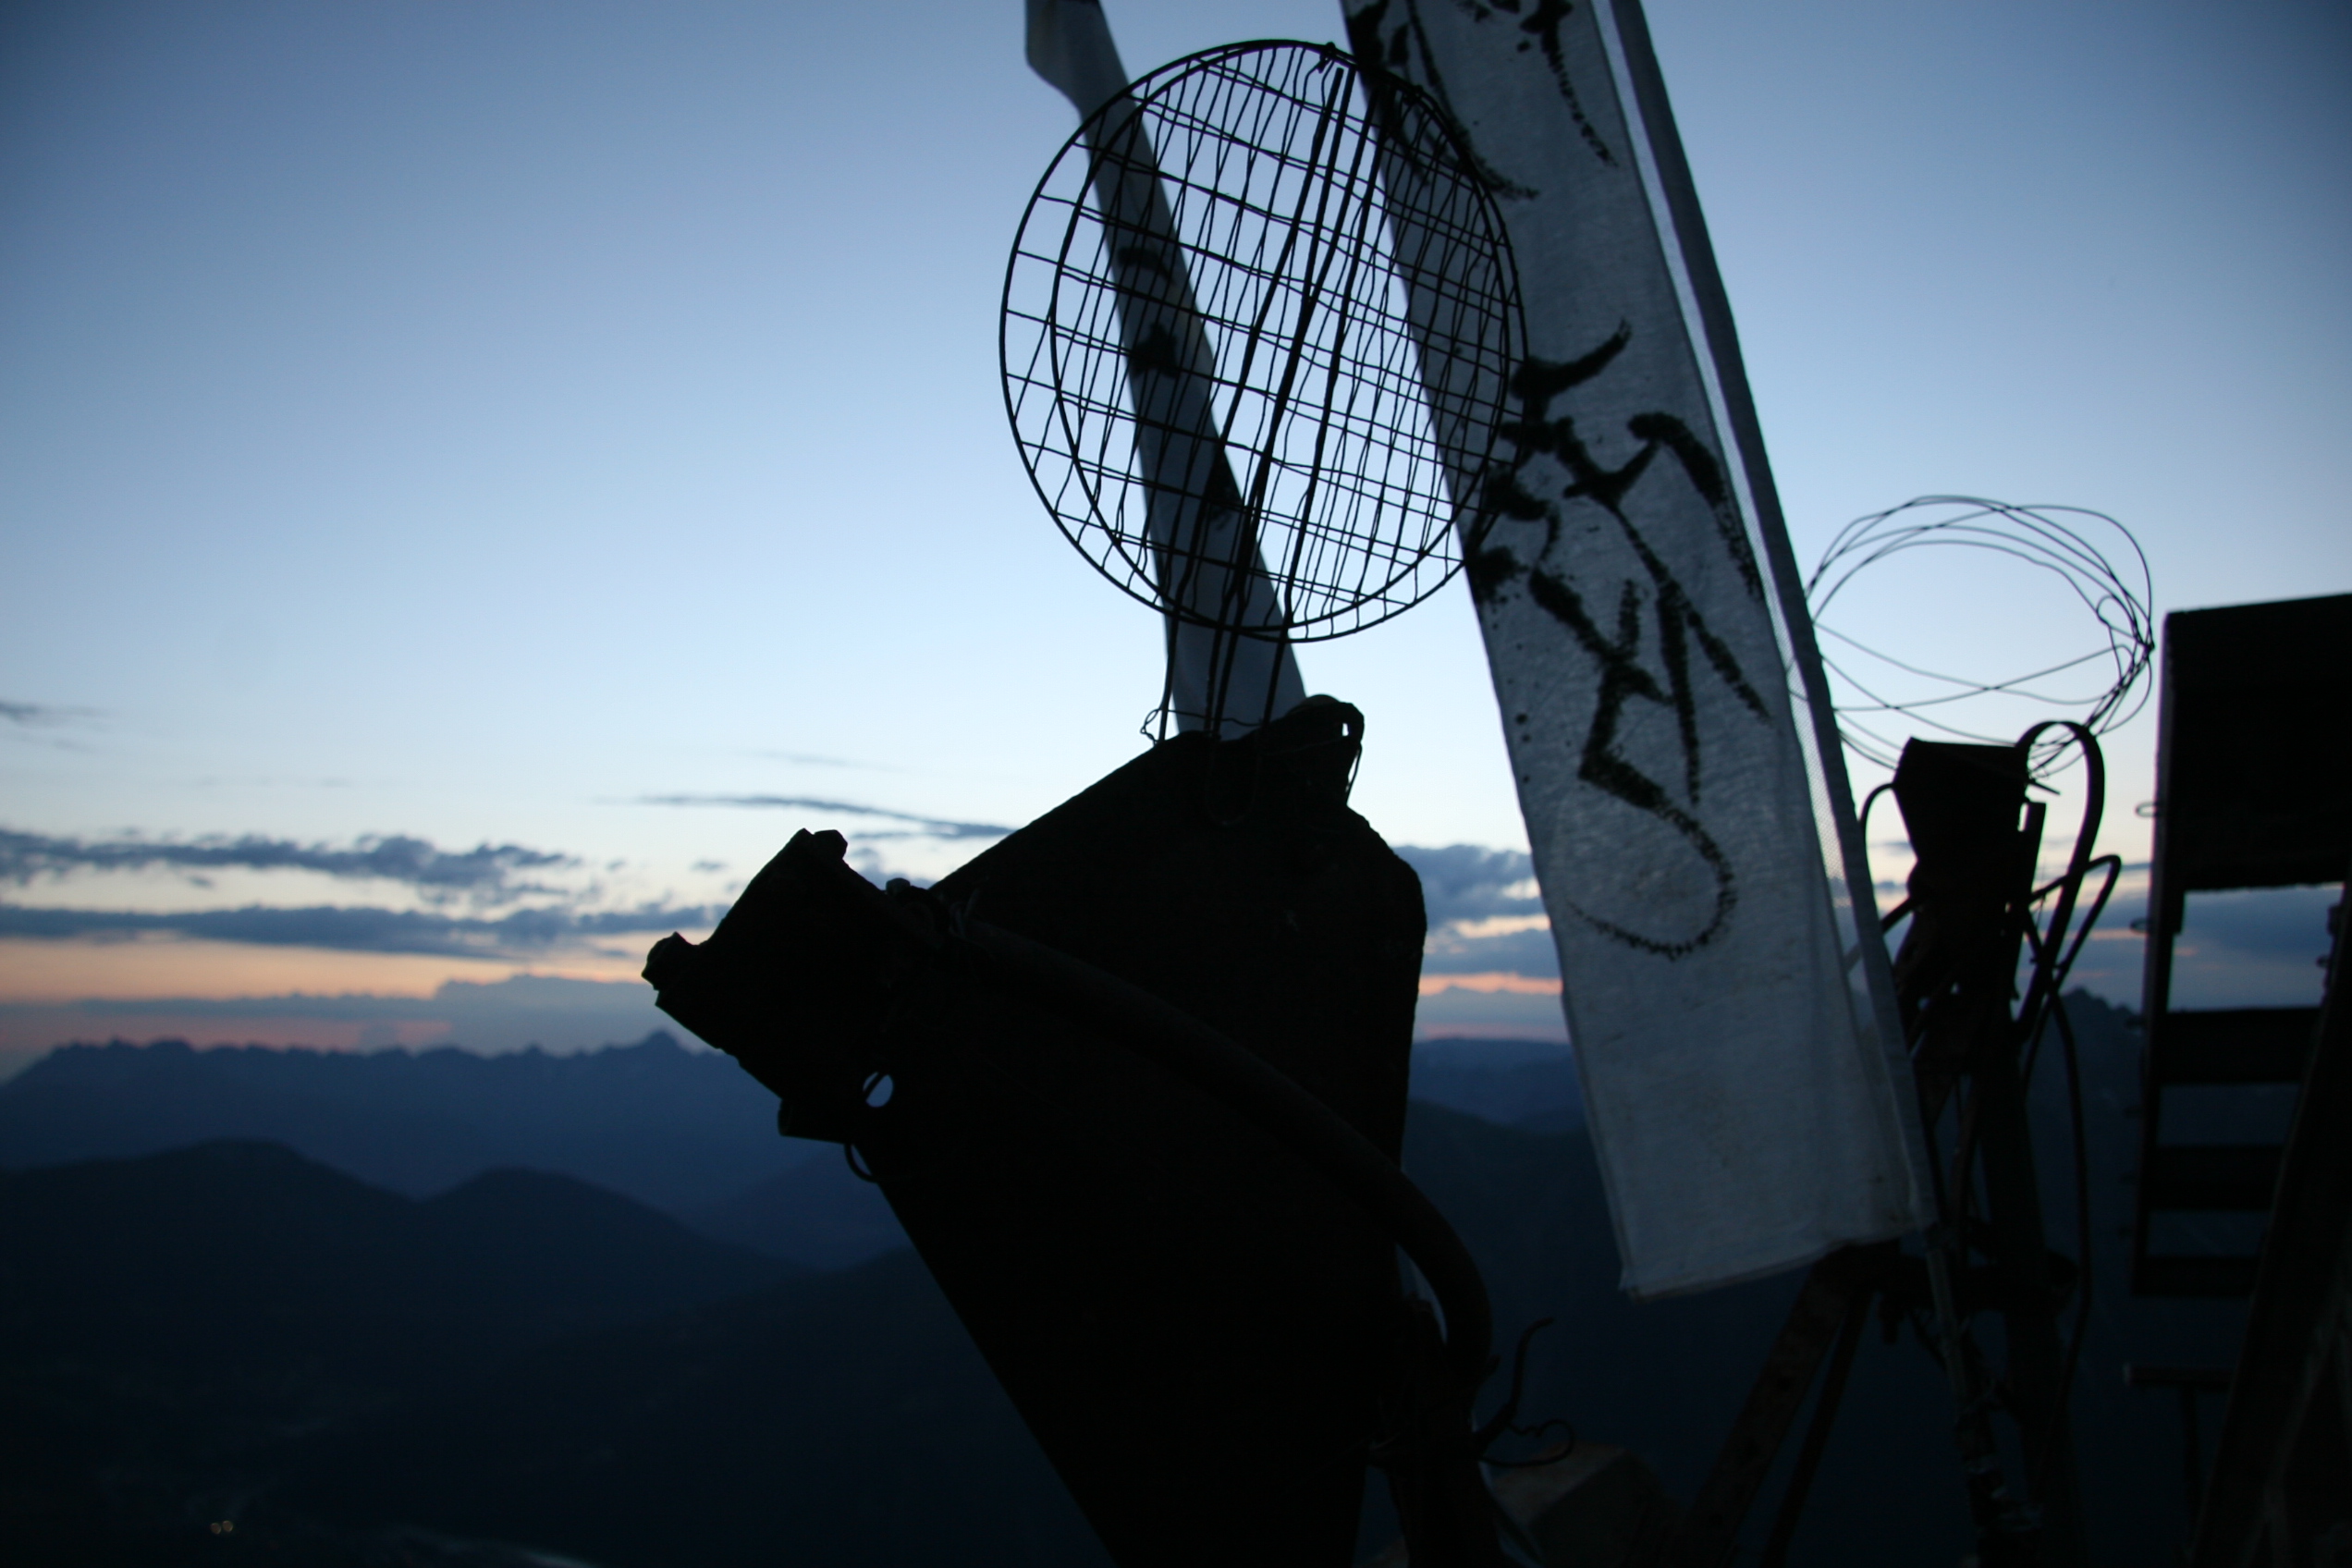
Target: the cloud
(924, 827)
(2257, 948)
(1465, 882)
(2281, 922)
(523, 934)
(40, 715)
(559, 1014)
(1452, 951)
(1485, 914)
(485, 873)
(40, 724)
(1501, 1013)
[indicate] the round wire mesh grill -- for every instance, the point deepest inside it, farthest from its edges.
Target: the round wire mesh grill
(1258, 329)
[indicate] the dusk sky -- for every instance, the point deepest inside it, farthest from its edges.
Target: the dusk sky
(462, 466)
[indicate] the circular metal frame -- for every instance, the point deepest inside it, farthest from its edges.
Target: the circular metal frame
(1258, 330)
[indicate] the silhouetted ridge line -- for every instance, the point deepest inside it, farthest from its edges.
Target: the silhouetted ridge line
(223, 1322)
(670, 1127)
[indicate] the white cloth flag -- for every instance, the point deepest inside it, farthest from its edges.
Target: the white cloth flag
(1685, 798)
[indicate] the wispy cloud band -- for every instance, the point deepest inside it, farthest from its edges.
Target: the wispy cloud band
(487, 872)
(34, 716)
(922, 826)
(521, 933)
(1465, 882)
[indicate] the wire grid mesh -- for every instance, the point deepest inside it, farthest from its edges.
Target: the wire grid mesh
(1257, 334)
(2101, 686)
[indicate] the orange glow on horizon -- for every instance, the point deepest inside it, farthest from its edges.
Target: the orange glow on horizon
(1490, 982)
(35, 970)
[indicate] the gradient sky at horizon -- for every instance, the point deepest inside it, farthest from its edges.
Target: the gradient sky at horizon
(508, 425)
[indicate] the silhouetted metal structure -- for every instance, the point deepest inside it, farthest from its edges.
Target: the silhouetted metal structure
(1241, 399)
(1983, 962)
(2253, 791)
(1134, 1079)
(2282, 1489)
(1973, 907)
(1198, 1321)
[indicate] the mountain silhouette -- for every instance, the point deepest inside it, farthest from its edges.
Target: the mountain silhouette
(668, 1126)
(1664, 1378)
(848, 1419)
(524, 1359)
(819, 1213)
(1511, 1083)
(845, 1421)
(170, 1322)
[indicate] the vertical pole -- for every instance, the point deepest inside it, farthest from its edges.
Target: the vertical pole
(1972, 892)
(1817, 1434)
(2166, 909)
(2029, 1308)
(1210, 571)
(1834, 1292)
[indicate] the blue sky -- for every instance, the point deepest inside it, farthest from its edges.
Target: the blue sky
(507, 425)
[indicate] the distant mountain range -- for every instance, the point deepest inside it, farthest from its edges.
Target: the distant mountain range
(248, 1255)
(819, 1213)
(235, 1331)
(844, 1421)
(684, 1131)
(1529, 1084)
(670, 1127)
(176, 1323)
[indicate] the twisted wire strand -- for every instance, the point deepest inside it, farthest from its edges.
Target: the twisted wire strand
(2111, 584)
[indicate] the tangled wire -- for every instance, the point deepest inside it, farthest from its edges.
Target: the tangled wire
(2058, 540)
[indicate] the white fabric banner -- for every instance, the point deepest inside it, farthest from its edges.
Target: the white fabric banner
(1687, 812)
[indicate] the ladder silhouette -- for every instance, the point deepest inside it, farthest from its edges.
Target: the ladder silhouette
(2254, 790)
